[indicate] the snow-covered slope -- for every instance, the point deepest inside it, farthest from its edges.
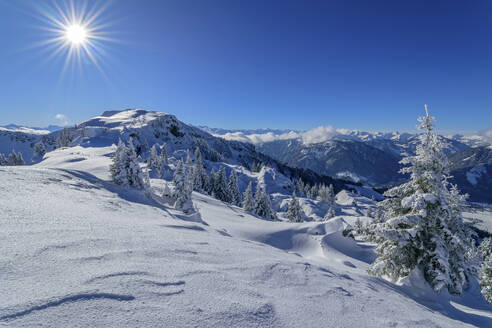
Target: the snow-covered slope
(78, 251)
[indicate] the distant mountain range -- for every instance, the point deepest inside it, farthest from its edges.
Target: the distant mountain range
(30, 129)
(322, 154)
(372, 158)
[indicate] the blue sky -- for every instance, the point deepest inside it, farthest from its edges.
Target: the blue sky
(368, 65)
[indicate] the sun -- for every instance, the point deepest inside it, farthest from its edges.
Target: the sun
(79, 31)
(76, 34)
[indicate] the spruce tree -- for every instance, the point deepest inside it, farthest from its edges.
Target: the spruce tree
(248, 201)
(422, 227)
(64, 138)
(220, 187)
(182, 189)
(485, 276)
(199, 176)
(125, 169)
(262, 204)
(211, 183)
(3, 160)
(39, 149)
(233, 190)
(294, 211)
(153, 160)
(164, 159)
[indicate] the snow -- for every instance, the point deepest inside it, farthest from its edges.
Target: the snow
(77, 250)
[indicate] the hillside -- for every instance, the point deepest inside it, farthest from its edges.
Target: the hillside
(81, 251)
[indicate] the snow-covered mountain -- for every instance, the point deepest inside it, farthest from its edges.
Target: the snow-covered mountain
(472, 171)
(148, 128)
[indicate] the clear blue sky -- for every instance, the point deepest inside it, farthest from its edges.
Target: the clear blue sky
(369, 65)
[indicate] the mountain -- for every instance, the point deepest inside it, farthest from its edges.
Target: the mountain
(472, 171)
(147, 128)
(350, 159)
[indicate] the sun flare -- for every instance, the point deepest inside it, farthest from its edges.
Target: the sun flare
(77, 31)
(76, 34)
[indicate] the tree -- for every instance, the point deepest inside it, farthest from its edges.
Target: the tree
(294, 211)
(15, 159)
(3, 160)
(39, 149)
(422, 227)
(262, 205)
(300, 187)
(199, 177)
(164, 159)
(188, 157)
(64, 138)
(233, 189)
(182, 189)
(220, 186)
(125, 169)
(248, 201)
(153, 160)
(211, 183)
(485, 276)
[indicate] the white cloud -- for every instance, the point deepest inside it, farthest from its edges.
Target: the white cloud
(486, 135)
(62, 118)
(319, 134)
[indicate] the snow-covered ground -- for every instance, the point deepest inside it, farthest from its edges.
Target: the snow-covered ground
(480, 215)
(78, 251)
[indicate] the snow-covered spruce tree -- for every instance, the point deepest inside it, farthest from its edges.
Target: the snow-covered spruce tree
(39, 149)
(485, 252)
(3, 160)
(300, 187)
(117, 168)
(422, 226)
(182, 189)
(294, 211)
(64, 138)
(233, 189)
(262, 204)
(163, 156)
(199, 177)
(211, 183)
(19, 160)
(188, 157)
(15, 159)
(220, 186)
(486, 278)
(125, 169)
(248, 201)
(153, 160)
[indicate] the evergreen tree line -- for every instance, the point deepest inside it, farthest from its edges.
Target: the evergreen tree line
(12, 160)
